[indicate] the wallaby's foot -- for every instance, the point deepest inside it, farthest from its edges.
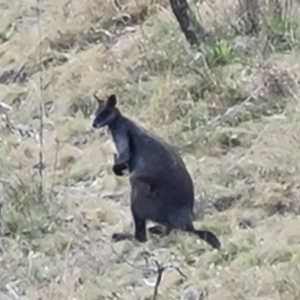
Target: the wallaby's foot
(117, 237)
(141, 236)
(122, 236)
(209, 237)
(159, 230)
(156, 229)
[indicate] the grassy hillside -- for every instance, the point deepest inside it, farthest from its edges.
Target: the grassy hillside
(232, 110)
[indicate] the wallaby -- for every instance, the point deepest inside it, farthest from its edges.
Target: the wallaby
(161, 187)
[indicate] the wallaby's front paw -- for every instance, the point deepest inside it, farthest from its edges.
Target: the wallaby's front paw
(118, 169)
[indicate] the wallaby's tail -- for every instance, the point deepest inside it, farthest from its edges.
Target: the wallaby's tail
(209, 237)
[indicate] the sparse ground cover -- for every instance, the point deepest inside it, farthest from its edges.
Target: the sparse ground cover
(232, 111)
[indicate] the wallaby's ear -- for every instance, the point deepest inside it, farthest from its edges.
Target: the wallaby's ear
(111, 101)
(99, 101)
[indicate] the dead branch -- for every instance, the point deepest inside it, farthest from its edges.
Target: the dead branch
(54, 169)
(160, 271)
(194, 32)
(1, 229)
(41, 108)
(160, 268)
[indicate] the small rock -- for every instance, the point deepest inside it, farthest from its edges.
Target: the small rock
(112, 195)
(5, 107)
(245, 223)
(69, 218)
(225, 202)
(194, 292)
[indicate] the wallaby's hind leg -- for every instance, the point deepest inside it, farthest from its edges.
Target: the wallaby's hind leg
(139, 231)
(140, 228)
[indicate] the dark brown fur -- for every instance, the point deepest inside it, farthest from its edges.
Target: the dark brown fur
(161, 188)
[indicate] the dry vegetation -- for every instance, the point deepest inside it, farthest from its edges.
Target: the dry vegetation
(233, 110)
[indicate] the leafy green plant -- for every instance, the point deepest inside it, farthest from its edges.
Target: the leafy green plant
(220, 54)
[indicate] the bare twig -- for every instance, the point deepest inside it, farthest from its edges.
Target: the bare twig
(12, 289)
(160, 268)
(4, 108)
(160, 271)
(180, 272)
(125, 260)
(1, 229)
(232, 111)
(54, 170)
(229, 113)
(40, 192)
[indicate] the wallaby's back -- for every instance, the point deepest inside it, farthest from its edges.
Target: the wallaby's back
(153, 157)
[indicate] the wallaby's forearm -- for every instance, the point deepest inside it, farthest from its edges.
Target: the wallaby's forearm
(121, 160)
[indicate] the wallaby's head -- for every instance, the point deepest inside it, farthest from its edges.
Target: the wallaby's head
(106, 112)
